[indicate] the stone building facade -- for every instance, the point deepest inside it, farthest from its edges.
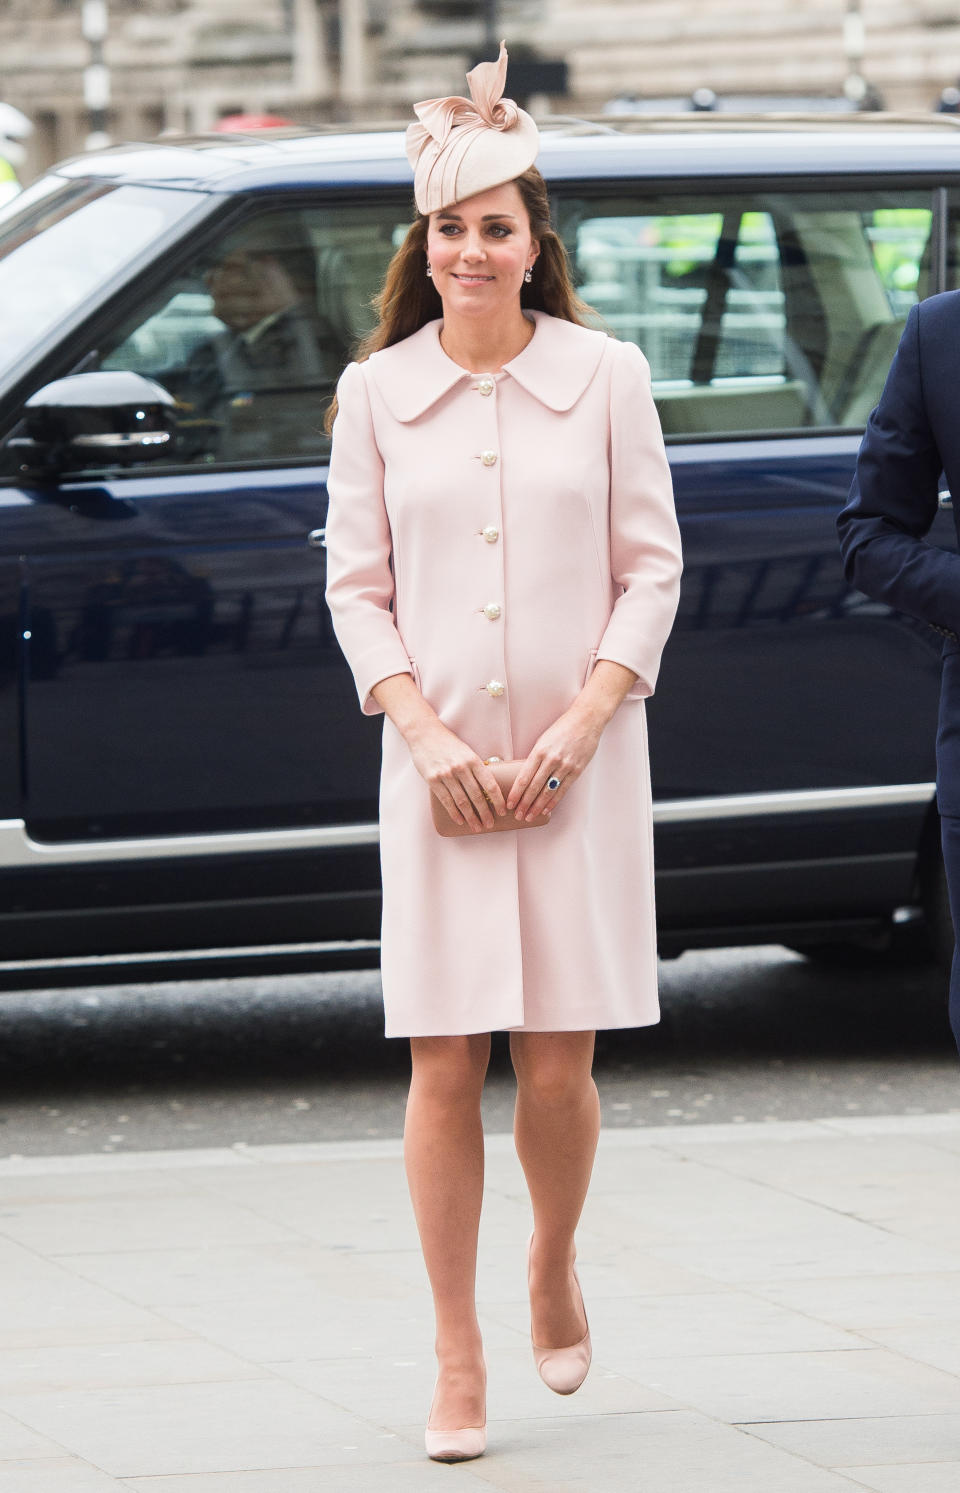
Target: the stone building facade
(181, 64)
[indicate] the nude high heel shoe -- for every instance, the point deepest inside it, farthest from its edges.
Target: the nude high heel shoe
(461, 1445)
(563, 1369)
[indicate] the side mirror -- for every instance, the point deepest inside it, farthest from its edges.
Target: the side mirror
(94, 419)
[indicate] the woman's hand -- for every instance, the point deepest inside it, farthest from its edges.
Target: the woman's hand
(566, 747)
(563, 751)
(464, 785)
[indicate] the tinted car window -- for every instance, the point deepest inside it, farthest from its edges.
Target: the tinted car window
(952, 245)
(59, 245)
(769, 311)
(251, 337)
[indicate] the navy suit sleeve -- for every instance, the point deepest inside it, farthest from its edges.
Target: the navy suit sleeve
(893, 500)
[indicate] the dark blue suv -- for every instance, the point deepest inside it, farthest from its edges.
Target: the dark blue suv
(184, 773)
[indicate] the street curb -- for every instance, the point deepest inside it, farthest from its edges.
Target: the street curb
(779, 1132)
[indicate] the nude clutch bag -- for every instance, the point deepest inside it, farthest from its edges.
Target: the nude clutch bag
(505, 774)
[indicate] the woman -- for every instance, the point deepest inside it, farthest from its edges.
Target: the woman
(503, 569)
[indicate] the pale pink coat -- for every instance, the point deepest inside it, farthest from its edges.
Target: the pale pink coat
(545, 491)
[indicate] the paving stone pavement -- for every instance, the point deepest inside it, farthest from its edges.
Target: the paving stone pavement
(775, 1309)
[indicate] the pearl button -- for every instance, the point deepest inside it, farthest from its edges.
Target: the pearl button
(491, 611)
(495, 688)
(488, 458)
(485, 386)
(491, 533)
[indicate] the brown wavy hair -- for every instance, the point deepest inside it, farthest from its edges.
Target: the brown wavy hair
(408, 299)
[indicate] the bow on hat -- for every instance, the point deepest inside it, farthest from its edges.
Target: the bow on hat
(485, 106)
(462, 146)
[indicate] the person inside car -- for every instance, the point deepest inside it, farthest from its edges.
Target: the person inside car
(276, 342)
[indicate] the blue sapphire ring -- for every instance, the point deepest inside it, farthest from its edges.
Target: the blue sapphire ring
(553, 784)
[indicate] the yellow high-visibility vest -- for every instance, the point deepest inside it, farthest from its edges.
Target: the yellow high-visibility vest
(9, 185)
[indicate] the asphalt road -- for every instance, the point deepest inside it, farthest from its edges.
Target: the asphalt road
(746, 1035)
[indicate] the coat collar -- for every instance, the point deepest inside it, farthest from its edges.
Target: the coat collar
(555, 367)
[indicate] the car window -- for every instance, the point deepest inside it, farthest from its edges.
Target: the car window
(61, 241)
(251, 336)
(763, 312)
(952, 247)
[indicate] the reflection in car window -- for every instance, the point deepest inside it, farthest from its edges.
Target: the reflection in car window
(23, 206)
(773, 311)
(58, 248)
(251, 337)
(898, 238)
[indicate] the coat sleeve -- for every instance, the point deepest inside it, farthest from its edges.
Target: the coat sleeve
(644, 536)
(893, 500)
(360, 586)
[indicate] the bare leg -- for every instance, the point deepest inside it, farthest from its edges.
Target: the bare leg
(556, 1127)
(443, 1149)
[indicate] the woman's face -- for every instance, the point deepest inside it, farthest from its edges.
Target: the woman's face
(479, 250)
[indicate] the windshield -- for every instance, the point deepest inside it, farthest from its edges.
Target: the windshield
(60, 241)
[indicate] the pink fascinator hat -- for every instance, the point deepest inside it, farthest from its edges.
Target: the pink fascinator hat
(462, 146)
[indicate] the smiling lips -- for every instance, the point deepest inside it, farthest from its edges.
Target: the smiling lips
(473, 279)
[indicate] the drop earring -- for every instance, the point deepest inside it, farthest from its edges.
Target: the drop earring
(429, 270)
(528, 276)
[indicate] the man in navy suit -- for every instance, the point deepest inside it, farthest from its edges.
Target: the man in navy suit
(913, 435)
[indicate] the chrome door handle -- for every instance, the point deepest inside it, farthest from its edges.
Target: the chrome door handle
(317, 539)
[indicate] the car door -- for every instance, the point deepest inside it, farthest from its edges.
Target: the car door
(182, 675)
(769, 317)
